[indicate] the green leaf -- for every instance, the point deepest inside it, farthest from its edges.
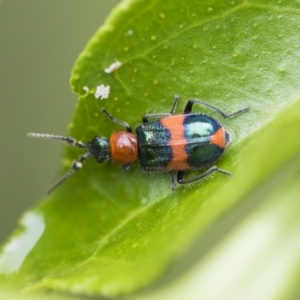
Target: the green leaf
(106, 231)
(259, 256)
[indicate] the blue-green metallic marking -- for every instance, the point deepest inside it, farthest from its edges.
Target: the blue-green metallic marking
(198, 130)
(154, 152)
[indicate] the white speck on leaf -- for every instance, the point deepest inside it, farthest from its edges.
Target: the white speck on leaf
(114, 66)
(86, 88)
(102, 92)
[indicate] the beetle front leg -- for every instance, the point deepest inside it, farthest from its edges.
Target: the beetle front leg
(117, 121)
(180, 175)
(126, 167)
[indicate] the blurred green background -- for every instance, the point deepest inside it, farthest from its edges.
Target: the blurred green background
(39, 42)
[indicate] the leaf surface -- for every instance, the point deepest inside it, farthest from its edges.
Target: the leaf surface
(106, 231)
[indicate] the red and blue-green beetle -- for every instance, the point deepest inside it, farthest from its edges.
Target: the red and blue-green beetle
(172, 143)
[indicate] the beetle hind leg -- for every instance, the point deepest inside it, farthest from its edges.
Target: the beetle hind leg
(189, 105)
(212, 169)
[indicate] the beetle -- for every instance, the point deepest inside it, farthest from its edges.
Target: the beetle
(172, 143)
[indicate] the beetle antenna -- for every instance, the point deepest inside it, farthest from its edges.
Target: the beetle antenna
(69, 140)
(77, 165)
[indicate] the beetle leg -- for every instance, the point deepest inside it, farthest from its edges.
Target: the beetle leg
(180, 175)
(120, 122)
(160, 115)
(154, 116)
(77, 165)
(189, 105)
(175, 102)
(173, 182)
(126, 167)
